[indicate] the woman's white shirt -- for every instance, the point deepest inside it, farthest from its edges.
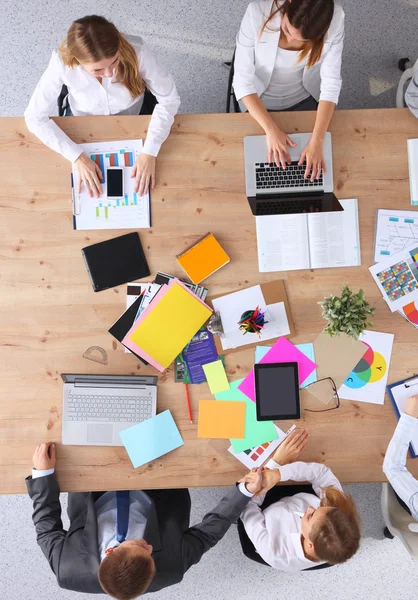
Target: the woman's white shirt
(88, 97)
(276, 531)
(286, 84)
(256, 51)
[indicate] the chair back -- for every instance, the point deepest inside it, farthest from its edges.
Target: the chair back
(406, 77)
(399, 522)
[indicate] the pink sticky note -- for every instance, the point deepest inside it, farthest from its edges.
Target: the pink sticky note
(282, 351)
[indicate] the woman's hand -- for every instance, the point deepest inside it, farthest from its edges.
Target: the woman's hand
(144, 173)
(253, 480)
(313, 155)
(277, 143)
(89, 174)
(292, 447)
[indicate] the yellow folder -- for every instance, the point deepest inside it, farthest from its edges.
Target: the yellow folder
(169, 326)
(224, 419)
(203, 258)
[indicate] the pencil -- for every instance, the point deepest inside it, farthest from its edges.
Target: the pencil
(189, 408)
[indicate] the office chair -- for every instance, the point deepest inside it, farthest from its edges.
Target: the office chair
(272, 496)
(230, 92)
(148, 105)
(398, 521)
(409, 71)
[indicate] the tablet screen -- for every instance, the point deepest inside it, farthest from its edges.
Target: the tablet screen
(277, 391)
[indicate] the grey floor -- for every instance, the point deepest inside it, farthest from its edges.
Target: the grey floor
(193, 38)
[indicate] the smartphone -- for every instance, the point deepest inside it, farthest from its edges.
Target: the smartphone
(277, 391)
(114, 177)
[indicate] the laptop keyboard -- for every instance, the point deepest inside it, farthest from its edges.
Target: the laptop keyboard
(104, 408)
(287, 207)
(269, 175)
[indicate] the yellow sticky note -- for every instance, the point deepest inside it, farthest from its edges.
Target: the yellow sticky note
(170, 326)
(216, 377)
(221, 419)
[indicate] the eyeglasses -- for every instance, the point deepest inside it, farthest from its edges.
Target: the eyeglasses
(334, 389)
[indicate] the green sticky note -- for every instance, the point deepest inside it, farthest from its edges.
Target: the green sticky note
(216, 377)
(256, 432)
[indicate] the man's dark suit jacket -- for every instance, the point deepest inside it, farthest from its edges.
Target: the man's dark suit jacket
(74, 555)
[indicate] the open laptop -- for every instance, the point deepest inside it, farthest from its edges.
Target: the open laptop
(97, 407)
(272, 190)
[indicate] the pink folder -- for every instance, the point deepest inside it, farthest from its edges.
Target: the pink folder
(282, 351)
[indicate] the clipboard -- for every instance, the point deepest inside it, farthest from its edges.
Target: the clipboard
(273, 291)
(389, 388)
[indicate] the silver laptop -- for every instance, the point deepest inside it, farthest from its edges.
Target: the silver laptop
(97, 407)
(274, 190)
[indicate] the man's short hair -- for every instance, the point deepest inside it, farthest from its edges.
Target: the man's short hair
(125, 575)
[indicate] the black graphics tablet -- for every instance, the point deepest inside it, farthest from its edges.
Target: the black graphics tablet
(277, 391)
(115, 261)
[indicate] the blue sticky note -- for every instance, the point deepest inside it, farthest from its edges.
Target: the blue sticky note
(151, 439)
(307, 349)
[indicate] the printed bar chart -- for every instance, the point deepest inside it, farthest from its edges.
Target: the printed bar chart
(98, 159)
(128, 158)
(113, 159)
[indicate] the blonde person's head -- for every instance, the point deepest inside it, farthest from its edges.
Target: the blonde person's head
(333, 530)
(96, 44)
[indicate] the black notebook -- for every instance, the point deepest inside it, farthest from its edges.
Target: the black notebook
(115, 261)
(121, 327)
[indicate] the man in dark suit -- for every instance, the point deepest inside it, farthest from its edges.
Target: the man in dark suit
(124, 543)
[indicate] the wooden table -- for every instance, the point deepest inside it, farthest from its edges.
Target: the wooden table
(50, 315)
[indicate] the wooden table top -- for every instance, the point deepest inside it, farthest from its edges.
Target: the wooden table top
(50, 314)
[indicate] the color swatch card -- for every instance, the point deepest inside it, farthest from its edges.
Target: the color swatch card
(256, 432)
(367, 381)
(151, 439)
(257, 456)
(203, 258)
(167, 325)
(216, 377)
(282, 351)
(307, 349)
(221, 419)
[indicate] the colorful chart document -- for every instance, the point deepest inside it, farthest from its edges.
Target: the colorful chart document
(221, 419)
(256, 432)
(395, 231)
(151, 439)
(256, 456)
(216, 376)
(130, 211)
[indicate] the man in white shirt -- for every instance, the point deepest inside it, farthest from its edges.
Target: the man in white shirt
(124, 543)
(304, 530)
(405, 486)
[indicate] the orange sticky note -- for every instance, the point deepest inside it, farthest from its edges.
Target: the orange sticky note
(221, 419)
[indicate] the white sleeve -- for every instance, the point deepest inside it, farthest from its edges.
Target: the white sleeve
(41, 473)
(331, 67)
(162, 85)
(395, 460)
(318, 475)
(411, 95)
(42, 104)
(244, 64)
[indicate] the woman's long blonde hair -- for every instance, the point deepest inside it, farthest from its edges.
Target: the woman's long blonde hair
(312, 18)
(94, 38)
(336, 538)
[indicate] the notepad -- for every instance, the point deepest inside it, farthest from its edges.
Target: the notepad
(216, 377)
(221, 419)
(413, 171)
(151, 439)
(167, 325)
(256, 432)
(203, 258)
(282, 351)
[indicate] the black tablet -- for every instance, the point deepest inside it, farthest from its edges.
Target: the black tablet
(277, 391)
(115, 261)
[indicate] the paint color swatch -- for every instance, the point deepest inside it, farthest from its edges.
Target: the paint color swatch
(221, 419)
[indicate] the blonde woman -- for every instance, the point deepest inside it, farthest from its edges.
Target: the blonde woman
(106, 73)
(288, 57)
(303, 530)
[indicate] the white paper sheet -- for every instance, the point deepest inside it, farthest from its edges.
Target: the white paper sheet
(395, 231)
(255, 457)
(413, 170)
(282, 242)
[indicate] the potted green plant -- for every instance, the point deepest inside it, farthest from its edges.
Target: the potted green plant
(347, 314)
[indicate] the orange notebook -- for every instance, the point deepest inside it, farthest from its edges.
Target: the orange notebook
(204, 258)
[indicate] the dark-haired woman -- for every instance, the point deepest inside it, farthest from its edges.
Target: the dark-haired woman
(288, 57)
(106, 73)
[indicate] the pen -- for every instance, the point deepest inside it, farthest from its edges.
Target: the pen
(189, 408)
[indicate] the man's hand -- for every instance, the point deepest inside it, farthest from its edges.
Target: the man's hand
(292, 447)
(412, 406)
(253, 481)
(44, 457)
